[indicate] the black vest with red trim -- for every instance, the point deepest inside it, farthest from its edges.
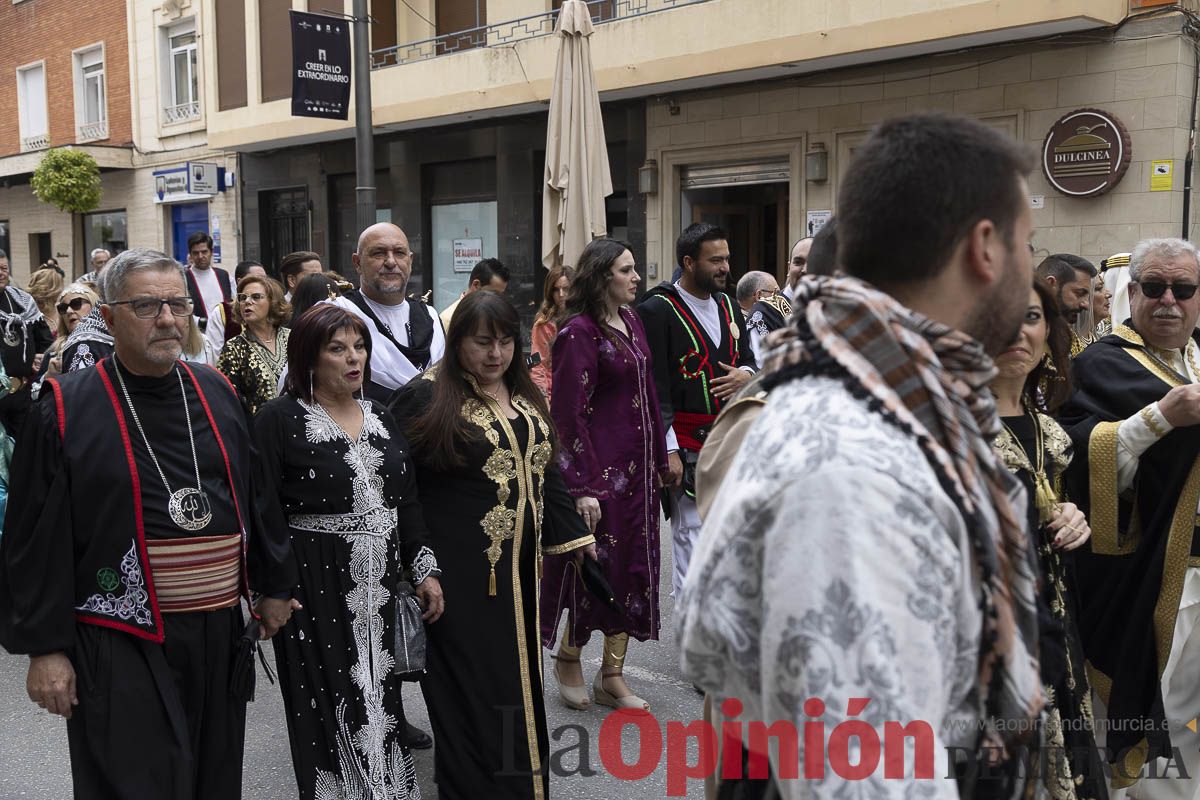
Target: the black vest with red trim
(686, 360)
(114, 584)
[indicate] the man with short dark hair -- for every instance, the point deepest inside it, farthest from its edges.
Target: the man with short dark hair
(701, 356)
(488, 274)
(295, 266)
(866, 544)
(765, 307)
(130, 541)
(24, 337)
(211, 289)
(1134, 420)
(245, 268)
(796, 266)
(1070, 276)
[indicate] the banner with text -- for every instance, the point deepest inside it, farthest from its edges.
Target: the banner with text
(320, 66)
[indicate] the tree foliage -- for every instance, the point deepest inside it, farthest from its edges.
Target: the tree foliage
(68, 179)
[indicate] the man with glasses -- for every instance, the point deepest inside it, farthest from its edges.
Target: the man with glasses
(131, 539)
(765, 307)
(24, 337)
(406, 334)
(1135, 422)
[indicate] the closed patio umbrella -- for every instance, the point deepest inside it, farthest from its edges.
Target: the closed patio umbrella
(577, 174)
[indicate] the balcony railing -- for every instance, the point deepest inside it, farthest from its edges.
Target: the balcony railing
(502, 34)
(91, 131)
(181, 113)
(39, 142)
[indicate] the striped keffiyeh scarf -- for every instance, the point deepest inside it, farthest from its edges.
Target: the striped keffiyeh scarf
(932, 382)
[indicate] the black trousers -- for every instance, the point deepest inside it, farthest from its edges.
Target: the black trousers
(158, 721)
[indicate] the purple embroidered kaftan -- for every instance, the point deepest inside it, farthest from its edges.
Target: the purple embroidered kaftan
(611, 447)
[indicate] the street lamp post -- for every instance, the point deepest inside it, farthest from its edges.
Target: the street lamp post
(364, 142)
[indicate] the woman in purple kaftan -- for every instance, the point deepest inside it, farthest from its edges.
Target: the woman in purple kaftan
(612, 455)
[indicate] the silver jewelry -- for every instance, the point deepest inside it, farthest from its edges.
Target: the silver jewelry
(189, 508)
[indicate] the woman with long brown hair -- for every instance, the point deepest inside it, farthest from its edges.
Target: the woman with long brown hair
(613, 458)
(1032, 382)
(494, 503)
(545, 325)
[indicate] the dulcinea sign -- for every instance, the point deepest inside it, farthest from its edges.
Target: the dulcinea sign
(1086, 153)
(320, 66)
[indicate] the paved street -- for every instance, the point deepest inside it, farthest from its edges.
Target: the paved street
(33, 745)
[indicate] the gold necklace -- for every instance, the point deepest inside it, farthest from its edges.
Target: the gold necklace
(1044, 497)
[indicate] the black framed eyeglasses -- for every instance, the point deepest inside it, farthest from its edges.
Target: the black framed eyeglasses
(151, 307)
(1156, 289)
(74, 305)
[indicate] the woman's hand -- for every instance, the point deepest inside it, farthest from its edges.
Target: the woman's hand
(1070, 527)
(589, 509)
(588, 550)
(429, 592)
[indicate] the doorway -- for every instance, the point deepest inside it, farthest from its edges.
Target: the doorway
(40, 250)
(285, 224)
(186, 219)
(754, 217)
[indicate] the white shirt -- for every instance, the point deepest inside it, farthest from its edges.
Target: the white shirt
(706, 311)
(1136, 434)
(210, 288)
(389, 367)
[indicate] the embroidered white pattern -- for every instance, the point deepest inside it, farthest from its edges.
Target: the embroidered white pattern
(82, 359)
(424, 563)
(134, 603)
(388, 773)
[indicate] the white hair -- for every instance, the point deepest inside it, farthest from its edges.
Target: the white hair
(97, 252)
(750, 284)
(1164, 249)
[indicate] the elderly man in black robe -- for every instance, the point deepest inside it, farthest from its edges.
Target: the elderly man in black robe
(1136, 417)
(129, 542)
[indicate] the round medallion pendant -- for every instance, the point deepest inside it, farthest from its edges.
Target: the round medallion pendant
(11, 339)
(190, 510)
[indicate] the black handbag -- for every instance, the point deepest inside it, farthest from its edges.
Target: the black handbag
(410, 633)
(242, 676)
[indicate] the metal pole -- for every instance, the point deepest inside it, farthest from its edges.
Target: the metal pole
(364, 143)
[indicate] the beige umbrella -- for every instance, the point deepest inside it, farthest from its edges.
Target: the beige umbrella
(577, 173)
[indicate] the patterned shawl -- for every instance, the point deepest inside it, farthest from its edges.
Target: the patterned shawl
(24, 313)
(931, 381)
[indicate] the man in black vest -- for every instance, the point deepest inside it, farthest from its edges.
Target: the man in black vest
(406, 334)
(131, 538)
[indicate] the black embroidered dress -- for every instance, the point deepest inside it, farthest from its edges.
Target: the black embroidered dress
(351, 509)
(492, 520)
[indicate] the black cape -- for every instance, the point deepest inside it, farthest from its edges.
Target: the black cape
(1131, 576)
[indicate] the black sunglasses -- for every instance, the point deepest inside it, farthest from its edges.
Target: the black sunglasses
(74, 305)
(1156, 289)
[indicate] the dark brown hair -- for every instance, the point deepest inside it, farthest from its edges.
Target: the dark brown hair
(593, 273)
(1046, 387)
(441, 431)
(549, 310)
(917, 186)
(290, 265)
(310, 333)
(279, 310)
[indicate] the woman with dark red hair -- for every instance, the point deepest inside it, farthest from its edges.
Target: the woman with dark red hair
(334, 469)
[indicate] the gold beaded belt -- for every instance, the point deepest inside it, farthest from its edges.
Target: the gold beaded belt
(196, 573)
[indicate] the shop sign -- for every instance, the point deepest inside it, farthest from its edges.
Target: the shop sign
(320, 66)
(467, 253)
(179, 184)
(1086, 153)
(202, 177)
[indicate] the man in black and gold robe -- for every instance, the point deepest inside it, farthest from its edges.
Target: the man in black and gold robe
(1135, 415)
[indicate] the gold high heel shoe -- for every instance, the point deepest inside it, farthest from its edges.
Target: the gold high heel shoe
(575, 697)
(615, 648)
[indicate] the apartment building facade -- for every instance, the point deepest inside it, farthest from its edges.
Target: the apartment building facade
(127, 88)
(740, 112)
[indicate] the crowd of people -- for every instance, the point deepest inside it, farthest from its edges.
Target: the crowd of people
(922, 473)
